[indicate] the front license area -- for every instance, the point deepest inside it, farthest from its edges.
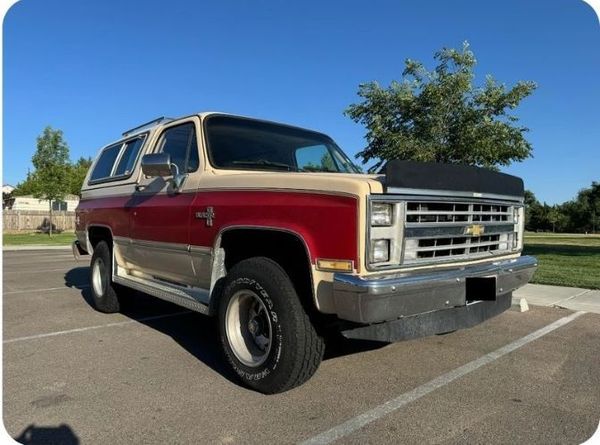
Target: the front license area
(480, 288)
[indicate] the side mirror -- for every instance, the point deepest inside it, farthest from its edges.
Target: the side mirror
(157, 164)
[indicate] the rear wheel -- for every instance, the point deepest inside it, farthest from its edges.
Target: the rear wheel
(104, 291)
(266, 335)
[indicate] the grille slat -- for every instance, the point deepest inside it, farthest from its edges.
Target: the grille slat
(467, 243)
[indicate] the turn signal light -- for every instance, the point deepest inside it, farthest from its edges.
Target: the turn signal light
(334, 265)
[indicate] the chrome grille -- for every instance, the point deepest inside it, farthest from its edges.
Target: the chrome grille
(445, 231)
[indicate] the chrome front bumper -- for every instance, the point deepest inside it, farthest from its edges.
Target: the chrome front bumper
(389, 297)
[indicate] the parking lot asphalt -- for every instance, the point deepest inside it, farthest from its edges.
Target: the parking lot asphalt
(154, 374)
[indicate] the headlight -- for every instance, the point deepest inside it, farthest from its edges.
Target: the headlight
(380, 251)
(381, 214)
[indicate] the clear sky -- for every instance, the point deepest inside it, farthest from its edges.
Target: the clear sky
(94, 69)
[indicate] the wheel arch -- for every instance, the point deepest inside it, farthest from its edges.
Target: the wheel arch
(229, 243)
(98, 232)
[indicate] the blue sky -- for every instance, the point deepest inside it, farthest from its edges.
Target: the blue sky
(94, 69)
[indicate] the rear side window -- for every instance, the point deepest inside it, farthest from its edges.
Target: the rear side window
(130, 154)
(123, 154)
(105, 163)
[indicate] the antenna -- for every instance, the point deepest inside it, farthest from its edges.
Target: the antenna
(153, 122)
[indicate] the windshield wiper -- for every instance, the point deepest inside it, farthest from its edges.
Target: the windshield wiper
(264, 162)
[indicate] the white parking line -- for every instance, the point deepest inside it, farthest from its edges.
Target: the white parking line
(48, 289)
(89, 328)
(35, 271)
(390, 406)
(32, 263)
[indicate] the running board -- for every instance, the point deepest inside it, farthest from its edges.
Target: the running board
(174, 294)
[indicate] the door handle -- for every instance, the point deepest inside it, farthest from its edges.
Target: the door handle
(139, 187)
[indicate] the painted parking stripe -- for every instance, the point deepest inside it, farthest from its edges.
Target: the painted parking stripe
(89, 328)
(36, 271)
(48, 289)
(30, 263)
(390, 406)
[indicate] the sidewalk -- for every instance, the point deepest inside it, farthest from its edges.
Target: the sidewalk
(573, 298)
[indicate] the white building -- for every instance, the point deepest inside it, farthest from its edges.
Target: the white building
(28, 202)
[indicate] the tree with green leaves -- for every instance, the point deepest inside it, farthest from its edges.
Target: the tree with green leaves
(51, 162)
(27, 187)
(586, 209)
(533, 212)
(441, 116)
(77, 172)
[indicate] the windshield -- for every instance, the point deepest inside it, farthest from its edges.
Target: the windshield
(239, 143)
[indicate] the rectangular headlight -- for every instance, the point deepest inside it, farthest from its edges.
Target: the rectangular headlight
(380, 251)
(381, 214)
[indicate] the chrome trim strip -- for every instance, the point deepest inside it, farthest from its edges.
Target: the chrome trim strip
(121, 240)
(460, 246)
(453, 194)
(461, 259)
(177, 247)
(390, 283)
(457, 199)
(420, 230)
(159, 245)
(200, 250)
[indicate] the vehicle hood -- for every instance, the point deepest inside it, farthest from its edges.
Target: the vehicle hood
(345, 183)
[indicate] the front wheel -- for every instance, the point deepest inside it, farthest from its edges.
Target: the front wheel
(266, 335)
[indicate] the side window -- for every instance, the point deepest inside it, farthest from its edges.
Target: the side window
(105, 163)
(180, 143)
(315, 158)
(130, 154)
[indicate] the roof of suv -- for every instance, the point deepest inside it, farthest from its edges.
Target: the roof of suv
(151, 125)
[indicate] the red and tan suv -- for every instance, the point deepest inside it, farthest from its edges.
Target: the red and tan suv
(272, 229)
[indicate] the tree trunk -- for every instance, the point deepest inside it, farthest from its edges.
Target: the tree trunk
(50, 228)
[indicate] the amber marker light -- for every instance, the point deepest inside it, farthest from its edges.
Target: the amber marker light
(334, 265)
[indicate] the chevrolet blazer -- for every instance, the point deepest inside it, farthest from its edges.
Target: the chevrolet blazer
(271, 229)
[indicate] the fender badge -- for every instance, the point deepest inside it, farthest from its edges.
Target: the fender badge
(208, 215)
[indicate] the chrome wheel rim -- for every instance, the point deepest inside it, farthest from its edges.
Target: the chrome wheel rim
(99, 278)
(248, 328)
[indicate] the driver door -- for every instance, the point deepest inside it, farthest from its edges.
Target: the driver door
(160, 220)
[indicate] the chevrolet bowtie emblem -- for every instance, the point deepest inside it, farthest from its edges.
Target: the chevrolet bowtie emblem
(474, 230)
(208, 216)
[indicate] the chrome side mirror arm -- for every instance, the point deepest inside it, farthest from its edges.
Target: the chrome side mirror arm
(177, 178)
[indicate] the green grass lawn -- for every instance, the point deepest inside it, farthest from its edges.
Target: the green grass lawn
(565, 259)
(42, 239)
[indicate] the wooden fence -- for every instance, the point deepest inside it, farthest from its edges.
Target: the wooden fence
(33, 220)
